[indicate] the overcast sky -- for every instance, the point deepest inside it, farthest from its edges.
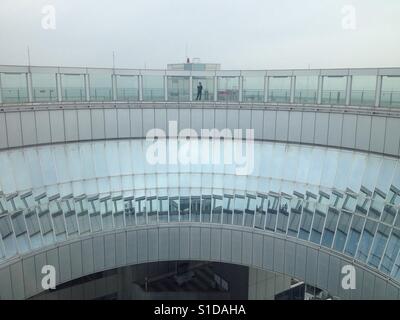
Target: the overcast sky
(239, 34)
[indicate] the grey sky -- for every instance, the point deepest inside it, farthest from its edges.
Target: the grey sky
(239, 34)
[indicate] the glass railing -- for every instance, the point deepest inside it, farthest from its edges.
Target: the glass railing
(342, 87)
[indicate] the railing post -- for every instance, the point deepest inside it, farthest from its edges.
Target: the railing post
(266, 88)
(1, 91)
(29, 85)
(59, 86)
(378, 90)
(215, 88)
(240, 87)
(191, 88)
(320, 88)
(349, 83)
(87, 86)
(165, 88)
(140, 84)
(292, 88)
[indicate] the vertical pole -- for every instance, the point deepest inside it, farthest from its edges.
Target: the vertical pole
(165, 88)
(240, 87)
(29, 85)
(87, 86)
(292, 88)
(59, 86)
(378, 90)
(349, 83)
(140, 83)
(266, 88)
(1, 91)
(191, 88)
(114, 86)
(320, 88)
(215, 88)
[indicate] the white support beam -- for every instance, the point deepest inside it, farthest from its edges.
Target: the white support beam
(114, 86)
(165, 88)
(240, 88)
(29, 86)
(87, 86)
(292, 88)
(215, 88)
(349, 83)
(191, 88)
(320, 88)
(1, 91)
(266, 88)
(140, 84)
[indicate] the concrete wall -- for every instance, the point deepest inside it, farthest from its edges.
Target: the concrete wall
(363, 129)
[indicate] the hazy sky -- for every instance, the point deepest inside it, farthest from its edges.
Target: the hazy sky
(239, 34)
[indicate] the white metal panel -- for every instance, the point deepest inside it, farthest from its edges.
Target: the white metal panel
(28, 128)
(14, 131)
(57, 125)
(98, 130)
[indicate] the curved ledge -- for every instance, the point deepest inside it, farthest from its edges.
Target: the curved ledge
(373, 130)
(21, 278)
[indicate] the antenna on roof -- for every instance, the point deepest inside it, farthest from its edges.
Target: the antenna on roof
(113, 60)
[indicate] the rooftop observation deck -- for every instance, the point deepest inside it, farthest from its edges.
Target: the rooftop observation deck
(373, 87)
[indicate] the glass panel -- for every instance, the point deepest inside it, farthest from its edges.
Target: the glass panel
(100, 87)
(391, 253)
(152, 208)
(227, 209)
(253, 89)
(363, 90)
(342, 230)
(178, 88)
(207, 93)
(195, 209)
(153, 88)
(73, 87)
(228, 89)
(163, 209)
(250, 211)
(283, 216)
(185, 206)
(334, 90)
(217, 209)
(127, 88)
(272, 212)
(377, 205)
(354, 235)
(306, 89)
(206, 209)
(140, 209)
(306, 219)
(14, 87)
(279, 89)
(295, 215)
(330, 227)
(174, 209)
(379, 245)
(318, 224)
(260, 211)
(129, 212)
(366, 240)
(390, 96)
(44, 87)
(239, 208)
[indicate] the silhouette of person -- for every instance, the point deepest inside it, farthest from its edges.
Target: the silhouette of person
(199, 91)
